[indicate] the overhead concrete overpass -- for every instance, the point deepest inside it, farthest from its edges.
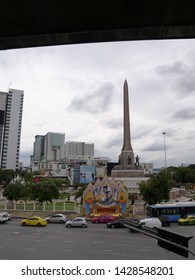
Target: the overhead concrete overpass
(33, 23)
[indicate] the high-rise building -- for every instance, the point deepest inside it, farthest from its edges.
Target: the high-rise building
(76, 152)
(11, 107)
(54, 146)
(38, 148)
(47, 149)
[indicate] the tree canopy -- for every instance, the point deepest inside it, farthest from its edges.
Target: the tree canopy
(42, 191)
(156, 189)
(6, 176)
(16, 191)
(184, 174)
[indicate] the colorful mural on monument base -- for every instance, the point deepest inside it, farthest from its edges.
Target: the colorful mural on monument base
(105, 197)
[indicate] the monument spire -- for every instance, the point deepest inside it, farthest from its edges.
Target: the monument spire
(127, 166)
(126, 120)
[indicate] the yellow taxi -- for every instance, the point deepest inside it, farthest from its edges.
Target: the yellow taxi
(188, 220)
(34, 221)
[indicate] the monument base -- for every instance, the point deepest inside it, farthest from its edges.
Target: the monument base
(129, 171)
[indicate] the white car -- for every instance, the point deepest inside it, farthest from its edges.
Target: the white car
(150, 222)
(6, 214)
(3, 218)
(77, 222)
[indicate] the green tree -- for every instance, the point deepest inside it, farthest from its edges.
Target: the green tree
(16, 191)
(185, 174)
(27, 177)
(79, 191)
(6, 176)
(44, 191)
(156, 189)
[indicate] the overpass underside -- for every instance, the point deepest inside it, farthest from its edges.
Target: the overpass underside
(44, 23)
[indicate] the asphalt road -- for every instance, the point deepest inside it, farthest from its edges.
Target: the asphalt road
(96, 242)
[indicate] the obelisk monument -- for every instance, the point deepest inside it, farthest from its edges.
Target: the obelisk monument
(127, 166)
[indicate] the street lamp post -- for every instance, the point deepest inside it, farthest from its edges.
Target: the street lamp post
(164, 133)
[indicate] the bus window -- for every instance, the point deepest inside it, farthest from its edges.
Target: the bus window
(183, 212)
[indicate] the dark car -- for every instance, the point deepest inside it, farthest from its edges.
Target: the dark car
(164, 220)
(119, 223)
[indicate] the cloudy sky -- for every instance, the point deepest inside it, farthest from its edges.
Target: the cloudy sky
(78, 90)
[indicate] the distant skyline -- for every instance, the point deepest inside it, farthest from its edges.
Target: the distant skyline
(78, 90)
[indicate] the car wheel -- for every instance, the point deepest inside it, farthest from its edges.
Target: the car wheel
(68, 226)
(83, 226)
(112, 226)
(38, 224)
(96, 222)
(23, 224)
(48, 221)
(61, 222)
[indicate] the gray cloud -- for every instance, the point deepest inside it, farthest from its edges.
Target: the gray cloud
(113, 123)
(186, 84)
(114, 142)
(153, 147)
(185, 113)
(190, 135)
(143, 131)
(96, 101)
(177, 67)
(183, 77)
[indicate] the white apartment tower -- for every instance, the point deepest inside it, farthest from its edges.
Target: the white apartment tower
(11, 107)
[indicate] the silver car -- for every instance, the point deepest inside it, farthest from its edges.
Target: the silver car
(57, 218)
(77, 222)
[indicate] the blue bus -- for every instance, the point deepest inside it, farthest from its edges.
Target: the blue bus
(173, 211)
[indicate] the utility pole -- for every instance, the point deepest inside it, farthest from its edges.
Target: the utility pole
(164, 134)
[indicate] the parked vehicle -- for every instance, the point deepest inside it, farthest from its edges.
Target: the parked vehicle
(173, 211)
(150, 222)
(3, 218)
(188, 220)
(118, 223)
(164, 220)
(8, 215)
(77, 222)
(57, 218)
(34, 221)
(103, 219)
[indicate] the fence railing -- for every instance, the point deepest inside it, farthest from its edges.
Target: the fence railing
(34, 206)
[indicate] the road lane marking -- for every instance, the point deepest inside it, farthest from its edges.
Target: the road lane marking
(66, 250)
